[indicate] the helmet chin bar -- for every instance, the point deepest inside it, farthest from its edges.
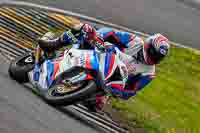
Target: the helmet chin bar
(155, 59)
(140, 56)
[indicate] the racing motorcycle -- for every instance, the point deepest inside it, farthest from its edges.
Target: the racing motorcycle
(71, 76)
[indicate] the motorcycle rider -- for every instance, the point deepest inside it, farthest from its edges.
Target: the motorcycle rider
(139, 56)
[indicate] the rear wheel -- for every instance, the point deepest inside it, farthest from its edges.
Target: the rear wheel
(63, 92)
(19, 68)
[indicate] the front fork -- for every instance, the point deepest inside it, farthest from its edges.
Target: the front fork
(38, 52)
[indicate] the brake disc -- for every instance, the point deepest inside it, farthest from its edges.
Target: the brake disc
(67, 88)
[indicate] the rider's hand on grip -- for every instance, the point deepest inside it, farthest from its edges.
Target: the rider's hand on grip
(100, 48)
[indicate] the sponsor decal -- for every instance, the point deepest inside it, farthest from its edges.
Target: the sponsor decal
(82, 60)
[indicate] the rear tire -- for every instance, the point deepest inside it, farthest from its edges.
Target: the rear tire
(19, 72)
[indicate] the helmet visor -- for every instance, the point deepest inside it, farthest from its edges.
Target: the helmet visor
(155, 56)
(151, 55)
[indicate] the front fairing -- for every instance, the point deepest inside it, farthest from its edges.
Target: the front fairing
(112, 62)
(51, 69)
(83, 58)
(103, 62)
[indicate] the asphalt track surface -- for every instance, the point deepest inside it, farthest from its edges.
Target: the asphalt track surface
(23, 112)
(174, 18)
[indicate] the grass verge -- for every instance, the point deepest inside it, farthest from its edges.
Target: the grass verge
(171, 102)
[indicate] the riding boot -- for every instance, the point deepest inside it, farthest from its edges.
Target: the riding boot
(96, 104)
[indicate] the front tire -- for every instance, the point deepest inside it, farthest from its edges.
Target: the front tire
(87, 88)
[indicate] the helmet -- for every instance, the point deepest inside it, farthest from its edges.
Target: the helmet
(155, 48)
(88, 33)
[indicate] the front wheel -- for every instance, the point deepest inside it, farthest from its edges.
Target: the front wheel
(64, 93)
(19, 68)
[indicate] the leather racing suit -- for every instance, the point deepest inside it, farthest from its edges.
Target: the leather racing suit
(139, 73)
